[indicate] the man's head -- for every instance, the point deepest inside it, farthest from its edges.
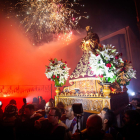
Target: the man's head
(35, 100)
(48, 106)
(102, 113)
(108, 117)
(54, 115)
(94, 125)
(60, 105)
(13, 102)
(69, 112)
(29, 110)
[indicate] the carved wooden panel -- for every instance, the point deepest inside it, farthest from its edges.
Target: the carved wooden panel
(89, 104)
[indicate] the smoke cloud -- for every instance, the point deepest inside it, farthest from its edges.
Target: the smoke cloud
(22, 63)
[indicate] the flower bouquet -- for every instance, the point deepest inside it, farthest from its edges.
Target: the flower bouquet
(126, 73)
(57, 71)
(105, 62)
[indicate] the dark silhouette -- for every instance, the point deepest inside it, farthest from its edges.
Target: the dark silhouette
(26, 129)
(1, 112)
(9, 122)
(61, 106)
(131, 127)
(21, 111)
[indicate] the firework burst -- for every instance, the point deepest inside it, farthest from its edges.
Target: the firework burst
(49, 17)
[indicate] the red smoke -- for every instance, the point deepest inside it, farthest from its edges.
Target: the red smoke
(24, 64)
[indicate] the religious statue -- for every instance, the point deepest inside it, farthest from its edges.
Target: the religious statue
(91, 41)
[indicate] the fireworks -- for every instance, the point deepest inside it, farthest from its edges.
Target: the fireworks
(47, 17)
(66, 38)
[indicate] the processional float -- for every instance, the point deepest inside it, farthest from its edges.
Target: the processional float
(89, 83)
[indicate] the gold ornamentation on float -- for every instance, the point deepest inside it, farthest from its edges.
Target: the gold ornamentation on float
(89, 104)
(106, 90)
(57, 91)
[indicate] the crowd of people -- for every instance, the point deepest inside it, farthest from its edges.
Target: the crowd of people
(41, 120)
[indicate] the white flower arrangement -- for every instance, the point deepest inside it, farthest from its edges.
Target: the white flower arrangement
(57, 71)
(105, 63)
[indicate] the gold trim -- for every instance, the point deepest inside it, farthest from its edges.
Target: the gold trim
(94, 112)
(90, 104)
(80, 79)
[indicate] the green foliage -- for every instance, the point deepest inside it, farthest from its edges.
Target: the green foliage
(111, 80)
(57, 83)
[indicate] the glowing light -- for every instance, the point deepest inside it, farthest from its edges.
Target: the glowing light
(133, 94)
(6, 95)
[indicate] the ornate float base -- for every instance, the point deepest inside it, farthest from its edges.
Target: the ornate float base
(116, 102)
(90, 104)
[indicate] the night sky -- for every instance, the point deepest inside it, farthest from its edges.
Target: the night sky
(105, 16)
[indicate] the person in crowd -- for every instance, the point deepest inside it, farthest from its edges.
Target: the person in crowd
(70, 122)
(11, 113)
(61, 106)
(56, 130)
(30, 113)
(12, 101)
(10, 120)
(1, 112)
(51, 127)
(47, 108)
(1, 116)
(21, 111)
(134, 102)
(131, 127)
(26, 129)
(42, 105)
(109, 123)
(93, 130)
(40, 98)
(52, 101)
(35, 103)
(108, 118)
